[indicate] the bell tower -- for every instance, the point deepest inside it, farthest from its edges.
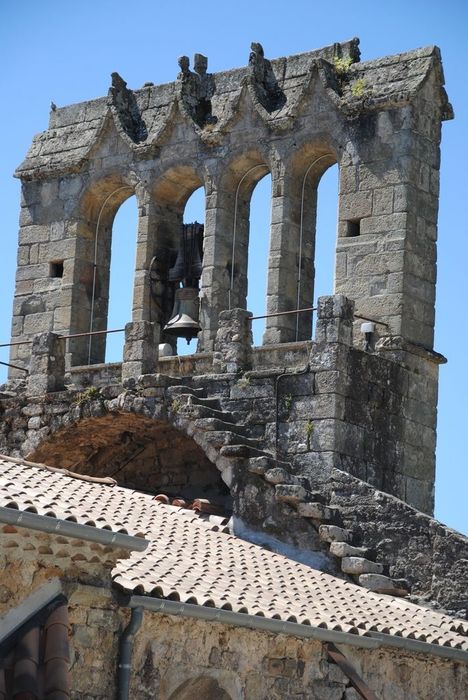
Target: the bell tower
(363, 397)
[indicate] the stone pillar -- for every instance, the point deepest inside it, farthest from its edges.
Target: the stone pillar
(144, 307)
(141, 349)
(335, 320)
(285, 286)
(47, 364)
(233, 343)
(217, 264)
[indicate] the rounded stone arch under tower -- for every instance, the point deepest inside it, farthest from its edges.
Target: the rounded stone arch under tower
(140, 452)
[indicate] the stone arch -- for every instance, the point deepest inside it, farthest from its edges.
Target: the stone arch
(239, 180)
(91, 264)
(142, 446)
(307, 166)
(205, 687)
(169, 193)
(291, 277)
(182, 682)
(224, 281)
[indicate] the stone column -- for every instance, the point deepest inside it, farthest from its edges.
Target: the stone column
(47, 364)
(144, 307)
(284, 281)
(141, 349)
(233, 343)
(335, 320)
(217, 265)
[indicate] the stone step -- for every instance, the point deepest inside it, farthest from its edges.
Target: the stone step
(342, 549)
(381, 584)
(292, 494)
(333, 533)
(213, 402)
(316, 510)
(214, 424)
(221, 438)
(201, 411)
(279, 475)
(360, 565)
(185, 390)
(242, 452)
(260, 465)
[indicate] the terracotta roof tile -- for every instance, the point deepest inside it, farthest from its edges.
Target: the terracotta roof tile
(190, 560)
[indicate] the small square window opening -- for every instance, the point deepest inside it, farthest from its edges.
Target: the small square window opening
(56, 268)
(353, 228)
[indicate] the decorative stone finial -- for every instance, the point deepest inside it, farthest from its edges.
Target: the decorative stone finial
(196, 89)
(200, 63)
(125, 106)
(184, 65)
(266, 87)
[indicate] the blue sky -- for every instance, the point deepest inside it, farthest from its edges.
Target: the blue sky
(66, 51)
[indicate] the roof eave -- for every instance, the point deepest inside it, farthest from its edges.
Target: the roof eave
(372, 640)
(67, 528)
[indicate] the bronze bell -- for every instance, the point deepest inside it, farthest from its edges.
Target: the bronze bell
(188, 265)
(184, 318)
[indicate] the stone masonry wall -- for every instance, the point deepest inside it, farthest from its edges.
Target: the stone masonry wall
(250, 664)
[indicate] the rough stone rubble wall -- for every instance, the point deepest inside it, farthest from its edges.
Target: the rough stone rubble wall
(171, 652)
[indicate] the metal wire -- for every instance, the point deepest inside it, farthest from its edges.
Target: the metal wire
(234, 226)
(91, 320)
(301, 228)
(283, 313)
(7, 364)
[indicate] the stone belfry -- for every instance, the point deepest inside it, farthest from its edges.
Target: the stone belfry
(361, 396)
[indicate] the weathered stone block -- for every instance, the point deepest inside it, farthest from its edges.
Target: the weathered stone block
(233, 342)
(47, 364)
(360, 565)
(140, 349)
(333, 533)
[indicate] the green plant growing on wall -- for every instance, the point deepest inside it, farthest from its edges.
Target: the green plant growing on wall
(88, 394)
(243, 382)
(358, 87)
(309, 429)
(342, 64)
(176, 405)
(288, 401)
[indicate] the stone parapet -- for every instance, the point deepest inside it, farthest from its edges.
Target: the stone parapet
(47, 364)
(140, 349)
(233, 343)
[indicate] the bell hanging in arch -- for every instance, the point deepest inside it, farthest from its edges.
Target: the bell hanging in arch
(184, 318)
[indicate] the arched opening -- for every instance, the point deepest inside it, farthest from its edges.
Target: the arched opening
(202, 687)
(325, 233)
(258, 251)
(122, 275)
(176, 256)
(246, 229)
(92, 268)
(139, 453)
(292, 280)
(194, 212)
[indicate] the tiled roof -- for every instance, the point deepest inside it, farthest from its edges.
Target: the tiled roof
(188, 561)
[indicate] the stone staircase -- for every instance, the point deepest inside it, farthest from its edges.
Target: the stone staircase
(223, 433)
